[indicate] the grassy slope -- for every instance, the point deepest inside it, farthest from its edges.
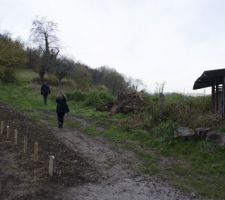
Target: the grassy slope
(193, 166)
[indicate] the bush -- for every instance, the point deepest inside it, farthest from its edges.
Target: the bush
(185, 110)
(96, 98)
(52, 80)
(7, 75)
(76, 96)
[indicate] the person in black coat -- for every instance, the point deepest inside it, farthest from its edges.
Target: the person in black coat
(61, 108)
(45, 91)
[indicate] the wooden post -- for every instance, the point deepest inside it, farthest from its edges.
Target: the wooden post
(15, 137)
(7, 132)
(213, 98)
(25, 141)
(50, 168)
(2, 127)
(217, 97)
(35, 151)
(223, 97)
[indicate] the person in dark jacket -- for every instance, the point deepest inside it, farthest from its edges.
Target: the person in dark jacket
(61, 108)
(45, 91)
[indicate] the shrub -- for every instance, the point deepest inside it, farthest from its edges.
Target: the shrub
(97, 98)
(52, 80)
(76, 96)
(7, 75)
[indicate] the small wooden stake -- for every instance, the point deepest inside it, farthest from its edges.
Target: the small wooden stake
(25, 144)
(2, 127)
(35, 151)
(50, 168)
(7, 132)
(15, 137)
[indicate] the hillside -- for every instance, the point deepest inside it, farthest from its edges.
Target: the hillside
(99, 139)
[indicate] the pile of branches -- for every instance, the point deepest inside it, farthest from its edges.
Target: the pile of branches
(125, 103)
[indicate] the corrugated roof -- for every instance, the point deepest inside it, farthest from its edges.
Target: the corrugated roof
(208, 78)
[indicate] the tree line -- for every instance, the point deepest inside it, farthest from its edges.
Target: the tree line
(44, 57)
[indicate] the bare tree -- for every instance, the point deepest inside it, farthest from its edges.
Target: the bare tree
(43, 33)
(135, 85)
(160, 88)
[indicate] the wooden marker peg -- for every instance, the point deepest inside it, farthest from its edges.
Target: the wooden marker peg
(25, 141)
(35, 151)
(2, 127)
(50, 168)
(7, 132)
(15, 137)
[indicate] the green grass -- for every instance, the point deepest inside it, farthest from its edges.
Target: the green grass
(196, 166)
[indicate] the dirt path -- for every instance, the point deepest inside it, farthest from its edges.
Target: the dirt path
(118, 168)
(86, 167)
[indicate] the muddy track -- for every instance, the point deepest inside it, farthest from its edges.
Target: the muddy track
(86, 167)
(120, 177)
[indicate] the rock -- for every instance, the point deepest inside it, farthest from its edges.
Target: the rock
(184, 133)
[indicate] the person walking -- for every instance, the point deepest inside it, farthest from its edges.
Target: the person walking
(61, 107)
(45, 91)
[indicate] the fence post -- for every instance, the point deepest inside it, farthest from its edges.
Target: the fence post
(35, 151)
(7, 132)
(15, 137)
(51, 165)
(2, 127)
(25, 141)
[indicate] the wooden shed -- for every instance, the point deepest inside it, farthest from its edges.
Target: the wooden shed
(216, 80)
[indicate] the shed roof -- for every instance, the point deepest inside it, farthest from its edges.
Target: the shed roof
(208, 78)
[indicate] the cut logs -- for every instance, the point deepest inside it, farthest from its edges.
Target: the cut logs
(216, 137)
(184, 133)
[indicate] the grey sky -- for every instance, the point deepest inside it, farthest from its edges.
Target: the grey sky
(153, 40)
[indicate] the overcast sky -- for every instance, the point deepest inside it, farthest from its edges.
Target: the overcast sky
(152, 40)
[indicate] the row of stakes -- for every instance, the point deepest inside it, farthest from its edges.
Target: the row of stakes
(25, 143)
